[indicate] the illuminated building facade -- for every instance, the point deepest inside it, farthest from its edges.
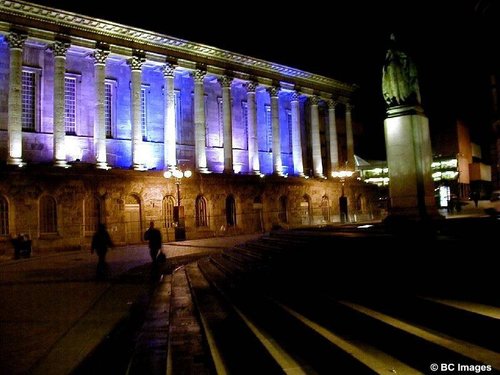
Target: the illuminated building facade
(457, 168)
(114, 106)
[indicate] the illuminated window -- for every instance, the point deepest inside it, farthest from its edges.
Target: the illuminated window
(178, 116)
(244, 119)
(48, 215)
(289, 125)
(269, 130)
(70, 105)
(144, 113)
(30, 94)
(110, 108)
(201, 212)
(4, 216)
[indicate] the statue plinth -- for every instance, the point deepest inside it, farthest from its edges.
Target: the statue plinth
(409, 159)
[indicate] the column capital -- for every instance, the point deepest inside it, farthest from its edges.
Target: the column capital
(168, 70)
(16, 40)
(331, 104)
(136, 62)
(60, 48)
(251, 86)
(225, 81)
(295, 96)
(273, 91)
(315, 100)
(100, 55)
(199, 75)
(349, 107)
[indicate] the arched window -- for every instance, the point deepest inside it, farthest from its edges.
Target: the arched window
(48, 215)
(230, 211)
(325, 208)
(168, 211)
(4, 216)
(283, 209)
(92, 214)
(201, 212)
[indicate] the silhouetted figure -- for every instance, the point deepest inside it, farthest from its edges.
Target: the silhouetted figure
(475, 198)
(101, 241)
(153, 236)
(399, 78)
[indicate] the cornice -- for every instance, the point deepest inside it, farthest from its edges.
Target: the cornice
(83, 26)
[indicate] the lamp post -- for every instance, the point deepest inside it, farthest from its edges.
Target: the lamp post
(342, 175)
(180, 229)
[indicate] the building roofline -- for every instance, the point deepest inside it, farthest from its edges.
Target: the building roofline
(29, 15)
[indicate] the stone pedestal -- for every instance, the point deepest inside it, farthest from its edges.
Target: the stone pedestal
(409, 158)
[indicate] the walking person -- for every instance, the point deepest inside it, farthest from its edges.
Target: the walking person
(101, 241)
(153, 236)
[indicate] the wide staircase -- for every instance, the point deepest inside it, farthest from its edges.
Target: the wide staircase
(344, 300)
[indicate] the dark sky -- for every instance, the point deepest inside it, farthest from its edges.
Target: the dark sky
(452, 43)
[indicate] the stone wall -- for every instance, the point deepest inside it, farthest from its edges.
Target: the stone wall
(257, 201)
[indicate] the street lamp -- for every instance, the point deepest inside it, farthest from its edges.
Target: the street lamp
(342, 175)
(178, 175)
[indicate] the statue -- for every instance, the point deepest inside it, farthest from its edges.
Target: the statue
(399, 78)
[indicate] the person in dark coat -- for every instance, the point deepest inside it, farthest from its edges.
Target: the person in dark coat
(101, 241)
(153, 236)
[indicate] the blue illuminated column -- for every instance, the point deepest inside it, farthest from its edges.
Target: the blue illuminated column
(349, 137)
(199, 121)
(100, 56)
(225, 83)
(170, 159)
(59, 48)
(315, 139)
(298, 164)
(275, 121)
(253, 148)
(332, 131)
(135, 64)
(15, 109)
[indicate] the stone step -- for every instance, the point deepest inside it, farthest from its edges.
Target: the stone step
(450, 319)
(443, 346)
(187, 353)
(295, 347)
(234, 347)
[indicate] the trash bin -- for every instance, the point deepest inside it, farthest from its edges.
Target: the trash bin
(22, 246)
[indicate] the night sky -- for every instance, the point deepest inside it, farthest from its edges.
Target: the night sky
(452, 43)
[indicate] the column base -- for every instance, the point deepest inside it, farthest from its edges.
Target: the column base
(228, 171)
(204, 170)
(139, 167)
(102, 165)
(16, 161)
(61, 164)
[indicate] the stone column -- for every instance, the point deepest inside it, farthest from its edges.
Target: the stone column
(298, 164)
(253, 147)
(59, 49)
(135, 64)
(332, 131)
(199, 121)
(275, 121)
(351, 164)
(315, 139)
(225, 83)
(15, 107)
(169, 133)
(100, 56)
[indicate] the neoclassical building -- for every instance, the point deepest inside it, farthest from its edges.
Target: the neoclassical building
(93, 112)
